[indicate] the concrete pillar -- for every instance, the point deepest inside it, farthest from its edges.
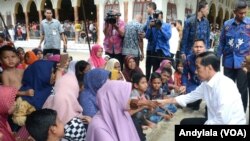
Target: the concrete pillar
(56, 13)
(100, 21)
(181, 10)
(40, 14)
(27, 25)
(13, 19)
(126, 11)
(130, 10)
(76, 13)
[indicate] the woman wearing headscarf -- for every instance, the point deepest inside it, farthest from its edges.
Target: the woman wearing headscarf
(30, 57)
(130, 68)
(93, 81)
(69, 111)
(36, 77)
(164, 64)
(96, 60)
(113, 65)
(113, 122)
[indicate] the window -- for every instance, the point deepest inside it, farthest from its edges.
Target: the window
(109, 6)
(140, 7)
(172, 12)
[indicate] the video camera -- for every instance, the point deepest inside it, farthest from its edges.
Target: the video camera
(156, 18)
(111, 17)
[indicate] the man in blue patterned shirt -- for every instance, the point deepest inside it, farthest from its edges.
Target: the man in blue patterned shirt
(234, 46)
(189, 77)
(199, 29)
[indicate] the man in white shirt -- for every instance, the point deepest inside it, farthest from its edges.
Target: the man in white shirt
(224, 104)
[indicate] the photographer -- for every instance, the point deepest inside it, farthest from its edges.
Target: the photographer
(114, 32)
(159, 33)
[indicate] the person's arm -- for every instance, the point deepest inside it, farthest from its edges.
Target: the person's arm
(208, 35)
(185, 38)
(106, 29)
(120, 28)
(41, 36)
(165, 31)
(222, 42)
(5, 79)
(183, 100)
(141, 43)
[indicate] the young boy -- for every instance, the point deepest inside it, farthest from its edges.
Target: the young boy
(12, 76)
(44, 125)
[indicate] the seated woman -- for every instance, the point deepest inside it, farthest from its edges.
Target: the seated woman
(69, 111)
(130, 68)
(81, 68)
(30, 57)
(113, 65)
(93, 81)
(113, 121)
(96, 60)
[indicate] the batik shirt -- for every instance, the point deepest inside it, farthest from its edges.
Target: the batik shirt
(202, 32)
(234, 42)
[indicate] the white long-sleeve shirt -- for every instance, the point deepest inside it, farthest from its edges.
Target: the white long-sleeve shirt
(223, 100)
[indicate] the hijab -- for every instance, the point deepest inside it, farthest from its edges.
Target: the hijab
(127, 72)
(32, 57)
(37, 77)
(162, 65)
(110, 65)
(93, 80)
(65, 99)
(98, 62)
(7, 96)
(113, 117)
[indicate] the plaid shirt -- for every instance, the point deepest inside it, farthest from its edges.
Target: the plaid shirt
(234, 43)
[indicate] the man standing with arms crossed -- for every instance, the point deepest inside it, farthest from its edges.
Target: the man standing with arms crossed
(51, 34)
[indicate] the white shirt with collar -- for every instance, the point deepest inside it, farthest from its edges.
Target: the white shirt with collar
(223, 100)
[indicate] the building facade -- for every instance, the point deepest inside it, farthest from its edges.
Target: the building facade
(27, 11)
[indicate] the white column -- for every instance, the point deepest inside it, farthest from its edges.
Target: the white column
(130, 10)
(181, 5)
(121, 5)
(101, 22)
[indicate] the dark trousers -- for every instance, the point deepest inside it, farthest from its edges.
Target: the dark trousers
(240, 77)
(193, 121)
(151, 62)
(138, 126)
(119, 57)
(195, 105)
(52, 51)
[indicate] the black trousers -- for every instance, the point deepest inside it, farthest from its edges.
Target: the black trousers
(240, 77)
(119, 57)
(52, 51)
(138, 126)
(193, 121)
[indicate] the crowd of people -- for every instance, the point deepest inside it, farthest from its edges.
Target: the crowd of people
(47, 96)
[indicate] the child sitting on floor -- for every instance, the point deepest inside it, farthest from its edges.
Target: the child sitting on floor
(155, 92)
(44, 125)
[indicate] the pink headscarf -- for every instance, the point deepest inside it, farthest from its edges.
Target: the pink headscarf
(113, 122)
(162, 65)
(98, 62)
(7, 96)
(65, 99)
